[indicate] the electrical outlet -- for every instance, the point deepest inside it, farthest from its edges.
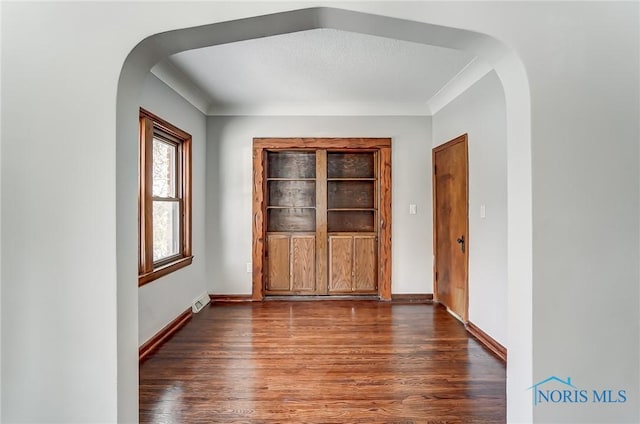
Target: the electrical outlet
(198, 304)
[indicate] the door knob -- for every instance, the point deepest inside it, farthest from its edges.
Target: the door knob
(461, 242)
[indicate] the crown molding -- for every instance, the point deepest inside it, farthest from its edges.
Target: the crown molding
(168, 73)
(461, 82)
(322, 109)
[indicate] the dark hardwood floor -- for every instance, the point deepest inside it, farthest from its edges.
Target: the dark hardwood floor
(322, 362)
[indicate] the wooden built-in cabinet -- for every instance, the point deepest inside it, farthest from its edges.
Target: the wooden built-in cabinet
(322, 215)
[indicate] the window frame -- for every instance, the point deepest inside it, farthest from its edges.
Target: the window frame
(151, 126)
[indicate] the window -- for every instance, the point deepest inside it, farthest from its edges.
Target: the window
(164, 198)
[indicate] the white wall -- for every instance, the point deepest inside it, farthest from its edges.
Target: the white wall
(585, 109)
(59, 359)
(229, 196)
(480, 112)
(0, 237)
(162, 300)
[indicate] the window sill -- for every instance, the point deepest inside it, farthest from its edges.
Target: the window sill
(164, 270)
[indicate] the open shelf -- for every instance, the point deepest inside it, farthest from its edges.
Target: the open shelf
(290, 207)
(350, 165)
(350, 209)
(290, 179)
(291, 219)
(351, 221)
(291, 164)
(351, 194)
(290, 193)
(351, 179)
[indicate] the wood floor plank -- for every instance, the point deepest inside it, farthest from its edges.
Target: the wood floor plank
(322, 362)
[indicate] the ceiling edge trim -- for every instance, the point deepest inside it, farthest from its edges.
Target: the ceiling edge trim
(475, 70)
(166, 72)
(461, 82)
(322, 109)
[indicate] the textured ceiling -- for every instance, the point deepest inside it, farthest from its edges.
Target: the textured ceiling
(322, 66)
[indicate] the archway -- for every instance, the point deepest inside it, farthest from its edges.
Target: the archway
(508, 67)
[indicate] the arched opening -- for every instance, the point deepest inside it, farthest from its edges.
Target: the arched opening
(507, 66)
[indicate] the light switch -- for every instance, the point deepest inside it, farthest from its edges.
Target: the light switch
(249, 267)
(413, 209)
(483, 211)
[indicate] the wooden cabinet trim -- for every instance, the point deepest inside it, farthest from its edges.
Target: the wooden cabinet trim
(322, 282)
(384, 219)
(321, 143)
(258, 245)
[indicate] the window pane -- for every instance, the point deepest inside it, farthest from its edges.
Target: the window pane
(164, 168)
(166, 229)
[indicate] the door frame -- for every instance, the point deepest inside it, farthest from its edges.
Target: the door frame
(460, 139)
(381, 145)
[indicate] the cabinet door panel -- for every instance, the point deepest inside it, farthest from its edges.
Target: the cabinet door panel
(303, 258)
(365, 263)
(278, 262)
(340, 263)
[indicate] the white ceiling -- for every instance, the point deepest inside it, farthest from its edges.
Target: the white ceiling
(322, 70)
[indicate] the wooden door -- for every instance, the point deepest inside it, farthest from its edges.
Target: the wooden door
(450, 211)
